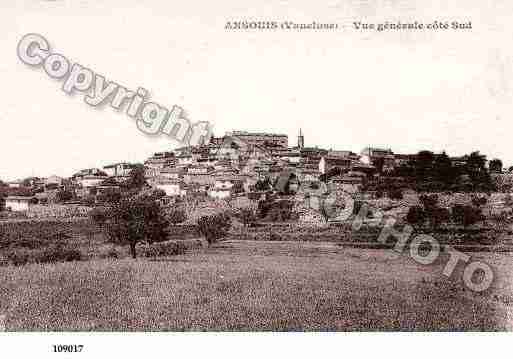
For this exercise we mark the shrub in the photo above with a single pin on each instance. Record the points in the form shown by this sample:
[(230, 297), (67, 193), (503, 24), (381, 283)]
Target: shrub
[(18, 256), (58, 253), (247, 216), (51, 254), (416, 215), (273, 236), (160, 249), (112, 253), (280, 212), (439, 215), (429, 201), (466, 215), (479, 201), (396, 194)]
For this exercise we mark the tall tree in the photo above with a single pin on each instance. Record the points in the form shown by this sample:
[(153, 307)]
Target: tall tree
[(135, 220), (137, 178), (495, 165)]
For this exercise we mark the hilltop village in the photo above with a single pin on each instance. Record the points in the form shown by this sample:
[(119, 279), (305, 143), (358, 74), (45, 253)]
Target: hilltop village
[(244, 163)]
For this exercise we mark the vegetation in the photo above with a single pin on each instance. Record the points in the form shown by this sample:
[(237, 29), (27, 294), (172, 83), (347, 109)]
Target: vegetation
[(134, 220), (64, 196), (466, 215), (247, 216), (263, 184), (214, 227), (137, 178), (248, 288), (416, 215), (495, 165), (275, 210), (430, 172), (176, 216)]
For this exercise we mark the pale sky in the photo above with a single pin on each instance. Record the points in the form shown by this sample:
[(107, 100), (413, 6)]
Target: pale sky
[(346, 89)]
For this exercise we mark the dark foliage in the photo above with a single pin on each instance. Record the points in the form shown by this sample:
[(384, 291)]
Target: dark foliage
[(214, 227), (135, 220)]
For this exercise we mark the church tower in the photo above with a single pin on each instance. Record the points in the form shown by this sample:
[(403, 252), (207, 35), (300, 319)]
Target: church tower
[(300, 140)]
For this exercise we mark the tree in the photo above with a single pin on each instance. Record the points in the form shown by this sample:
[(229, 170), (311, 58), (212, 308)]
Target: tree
[(379, 163), (137, 178), (416, 215), (263, 184), (433, 212), (423, 164), (214, 227), (476, 163), (444, 171), (135, 220), (466, 215), (495, 165)]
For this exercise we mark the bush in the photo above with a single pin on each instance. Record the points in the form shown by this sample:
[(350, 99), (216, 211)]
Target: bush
[(280, 211), (439, 215), (58, 253), (466, 215), (416, 215), (112, 253), (479, 201), (429, 201), (396, 194), (160, 249), (18, 256), (51, 254), (273, 236), (247, 216)]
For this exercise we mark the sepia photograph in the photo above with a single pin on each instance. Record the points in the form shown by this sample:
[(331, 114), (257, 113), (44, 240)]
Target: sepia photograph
[(254, 168)]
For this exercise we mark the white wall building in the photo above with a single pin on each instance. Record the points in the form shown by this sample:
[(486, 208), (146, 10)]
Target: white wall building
[(18, 203)]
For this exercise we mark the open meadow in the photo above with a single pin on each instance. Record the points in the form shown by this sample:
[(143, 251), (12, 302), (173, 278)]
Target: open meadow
[(253, 286)]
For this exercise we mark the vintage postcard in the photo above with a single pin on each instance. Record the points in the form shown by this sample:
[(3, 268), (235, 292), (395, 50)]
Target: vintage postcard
[(252, 168)]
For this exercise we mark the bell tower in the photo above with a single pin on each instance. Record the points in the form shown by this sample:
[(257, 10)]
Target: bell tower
[(300, 140)]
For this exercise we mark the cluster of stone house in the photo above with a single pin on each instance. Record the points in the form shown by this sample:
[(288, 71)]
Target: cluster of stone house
[(229, 166), (232, 164)]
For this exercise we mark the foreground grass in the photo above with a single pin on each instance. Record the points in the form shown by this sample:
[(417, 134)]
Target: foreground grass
[(286, 286)]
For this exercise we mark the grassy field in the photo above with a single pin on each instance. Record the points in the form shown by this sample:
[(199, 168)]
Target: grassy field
[(248, 285)]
